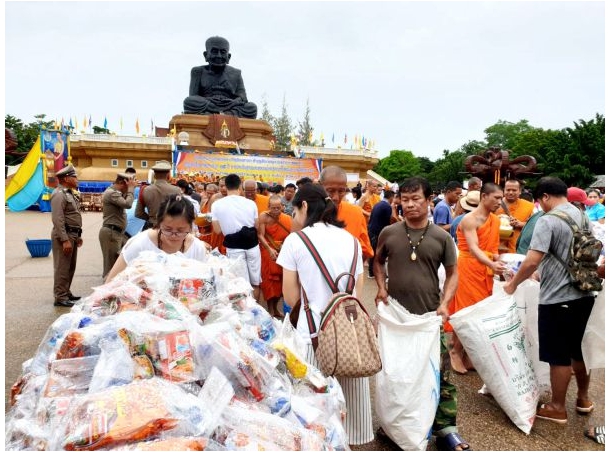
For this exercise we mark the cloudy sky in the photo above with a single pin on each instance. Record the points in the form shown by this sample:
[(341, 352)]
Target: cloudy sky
[(421, 76)]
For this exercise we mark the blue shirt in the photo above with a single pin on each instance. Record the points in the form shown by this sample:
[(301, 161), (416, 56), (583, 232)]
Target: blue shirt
[(596, 212), (454, 225), (134, 225), (442, 213)]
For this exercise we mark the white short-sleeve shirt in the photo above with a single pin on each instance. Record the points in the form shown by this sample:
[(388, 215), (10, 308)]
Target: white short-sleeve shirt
[(234, 212), (336, 248), (141, 242)]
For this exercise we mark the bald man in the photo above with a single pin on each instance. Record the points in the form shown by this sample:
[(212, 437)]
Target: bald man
[(334, 181), (251, 192)]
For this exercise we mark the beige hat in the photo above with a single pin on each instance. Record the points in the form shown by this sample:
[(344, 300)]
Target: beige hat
[(471, 200), (68, 171), (162, 165), (125, 175)]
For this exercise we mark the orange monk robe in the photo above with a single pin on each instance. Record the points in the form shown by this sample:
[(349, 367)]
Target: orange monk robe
[(271, 273), (205, 226), (521, 210), (368, 205), (355, 224), (475, 280), (262, 203)]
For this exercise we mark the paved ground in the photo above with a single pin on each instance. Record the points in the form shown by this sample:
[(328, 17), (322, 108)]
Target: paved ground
[(29, 311)]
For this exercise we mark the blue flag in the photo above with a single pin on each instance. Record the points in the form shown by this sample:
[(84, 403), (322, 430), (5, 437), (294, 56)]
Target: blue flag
[(105, 123), (71, 126)]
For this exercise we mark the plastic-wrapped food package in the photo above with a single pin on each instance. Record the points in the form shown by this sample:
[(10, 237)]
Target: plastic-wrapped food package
[(129, 413), (169, 352)]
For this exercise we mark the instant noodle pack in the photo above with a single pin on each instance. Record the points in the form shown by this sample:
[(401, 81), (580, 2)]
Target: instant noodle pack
[(173, 354)]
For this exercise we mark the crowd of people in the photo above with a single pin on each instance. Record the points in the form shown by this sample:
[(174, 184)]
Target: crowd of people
[(404, 234)]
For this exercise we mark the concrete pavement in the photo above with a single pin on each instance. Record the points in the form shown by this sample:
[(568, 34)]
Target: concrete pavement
[(29, 311)]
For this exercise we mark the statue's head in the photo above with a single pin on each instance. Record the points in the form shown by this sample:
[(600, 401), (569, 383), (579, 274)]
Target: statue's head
[(217, 52)]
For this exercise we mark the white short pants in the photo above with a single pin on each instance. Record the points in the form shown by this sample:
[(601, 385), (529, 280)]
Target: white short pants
[(252, 259)]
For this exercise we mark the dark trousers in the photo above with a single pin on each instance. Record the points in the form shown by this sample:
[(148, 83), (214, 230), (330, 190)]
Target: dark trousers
[(63, 269), (373, 238)]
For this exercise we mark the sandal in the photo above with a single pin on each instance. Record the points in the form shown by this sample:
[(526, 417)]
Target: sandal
[(451, 441), (544, 412), (584, 406), (597, 434)]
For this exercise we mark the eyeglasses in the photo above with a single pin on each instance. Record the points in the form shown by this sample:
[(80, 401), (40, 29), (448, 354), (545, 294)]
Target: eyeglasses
[(168, 233)]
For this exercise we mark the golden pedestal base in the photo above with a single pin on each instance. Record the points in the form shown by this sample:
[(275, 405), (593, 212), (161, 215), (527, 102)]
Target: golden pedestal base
[(258, 139)]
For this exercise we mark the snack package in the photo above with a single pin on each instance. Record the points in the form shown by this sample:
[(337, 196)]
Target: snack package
[(68, 377), (131, 413), (180, 443), (245, 429), (115, 365), (171, 354)]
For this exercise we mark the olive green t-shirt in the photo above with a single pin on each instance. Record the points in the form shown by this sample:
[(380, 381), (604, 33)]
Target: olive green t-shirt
[(414, 283)]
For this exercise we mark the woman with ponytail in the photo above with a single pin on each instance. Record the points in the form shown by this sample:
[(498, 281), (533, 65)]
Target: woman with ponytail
[(315, 215)]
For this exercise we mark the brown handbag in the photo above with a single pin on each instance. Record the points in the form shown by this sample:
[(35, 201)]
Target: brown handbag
[(345, 344)]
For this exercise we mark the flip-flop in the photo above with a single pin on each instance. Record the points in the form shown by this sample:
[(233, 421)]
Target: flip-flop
[(597, 434)]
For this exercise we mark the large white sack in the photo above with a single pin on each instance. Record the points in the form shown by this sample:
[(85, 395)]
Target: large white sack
[(407, 388), (527, 296), (593, 345), (493, 335)]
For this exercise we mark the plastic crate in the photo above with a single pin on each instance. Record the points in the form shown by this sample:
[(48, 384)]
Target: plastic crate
[(39, 248)]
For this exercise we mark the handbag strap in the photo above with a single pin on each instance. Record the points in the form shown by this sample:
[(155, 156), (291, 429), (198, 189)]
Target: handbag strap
[(313, 333)]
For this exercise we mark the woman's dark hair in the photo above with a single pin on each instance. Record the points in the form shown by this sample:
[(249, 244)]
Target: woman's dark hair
[(184, 185), (319, 205), (357, 192), (176, 206), (552, 186)]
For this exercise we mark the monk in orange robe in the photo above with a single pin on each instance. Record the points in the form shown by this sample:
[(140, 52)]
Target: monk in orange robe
[(334, 181), (478, 240), (273, 228), (204, 225), (217, 239), (369, 198), (519, 211)]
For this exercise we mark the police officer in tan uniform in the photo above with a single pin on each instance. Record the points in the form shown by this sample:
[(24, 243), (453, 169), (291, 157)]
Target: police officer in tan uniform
[(116, 198), (155, 194), (66, 235)]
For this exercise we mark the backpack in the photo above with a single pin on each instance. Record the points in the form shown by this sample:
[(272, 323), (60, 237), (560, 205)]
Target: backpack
[(585, 250), (345, 344)]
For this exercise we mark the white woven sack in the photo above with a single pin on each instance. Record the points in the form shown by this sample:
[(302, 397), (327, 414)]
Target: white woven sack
[(407, 388), (527, 296), (593, 344), (493, 335)]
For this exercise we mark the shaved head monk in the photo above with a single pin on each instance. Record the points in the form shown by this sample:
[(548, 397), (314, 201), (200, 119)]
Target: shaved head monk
[(334, 181)]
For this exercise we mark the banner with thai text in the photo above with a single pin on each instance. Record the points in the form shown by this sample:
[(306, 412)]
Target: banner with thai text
[(267, 169)]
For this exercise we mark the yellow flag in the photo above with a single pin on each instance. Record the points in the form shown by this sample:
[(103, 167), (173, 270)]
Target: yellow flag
[(137, 126), (121, 123)]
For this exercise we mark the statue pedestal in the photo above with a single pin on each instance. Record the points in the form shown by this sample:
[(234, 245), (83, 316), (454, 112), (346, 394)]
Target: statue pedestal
[(258, 134)]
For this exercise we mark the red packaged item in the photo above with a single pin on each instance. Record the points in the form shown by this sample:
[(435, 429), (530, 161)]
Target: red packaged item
[(171, 355)]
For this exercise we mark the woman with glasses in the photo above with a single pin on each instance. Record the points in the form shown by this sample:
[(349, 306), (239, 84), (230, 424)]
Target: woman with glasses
[(315, 214), (171, 235)]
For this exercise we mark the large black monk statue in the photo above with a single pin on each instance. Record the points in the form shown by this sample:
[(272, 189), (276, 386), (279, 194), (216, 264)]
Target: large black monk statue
[(216, 87)]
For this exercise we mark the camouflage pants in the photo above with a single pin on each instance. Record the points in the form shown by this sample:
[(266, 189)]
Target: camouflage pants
[(446, 413)]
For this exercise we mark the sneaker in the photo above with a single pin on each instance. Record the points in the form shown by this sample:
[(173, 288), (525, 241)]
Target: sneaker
[(370, 276)]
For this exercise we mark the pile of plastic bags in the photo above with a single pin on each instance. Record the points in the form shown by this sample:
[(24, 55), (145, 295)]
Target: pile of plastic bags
[(173, 354)]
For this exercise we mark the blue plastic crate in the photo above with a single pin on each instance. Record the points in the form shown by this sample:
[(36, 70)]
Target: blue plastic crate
[(39, 248)]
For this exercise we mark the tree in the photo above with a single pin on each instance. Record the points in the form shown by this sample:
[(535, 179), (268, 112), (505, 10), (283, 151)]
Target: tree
[(283, 129), (305, 132), (425, 165), (26, 136), (449, 167), (505, 134), (265, 113), (398, 166)]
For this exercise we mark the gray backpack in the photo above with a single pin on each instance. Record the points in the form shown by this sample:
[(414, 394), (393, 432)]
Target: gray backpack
[(584, 253)]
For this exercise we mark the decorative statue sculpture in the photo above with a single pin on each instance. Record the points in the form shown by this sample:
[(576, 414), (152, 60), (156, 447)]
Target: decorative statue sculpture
[(494, 165), (218, 88)]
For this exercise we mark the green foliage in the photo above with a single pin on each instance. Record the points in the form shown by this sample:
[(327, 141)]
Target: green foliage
[(283, 129), (450, 167), (505, 134), (305, 131), (26, 135), (265, 113), (398, 166)]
